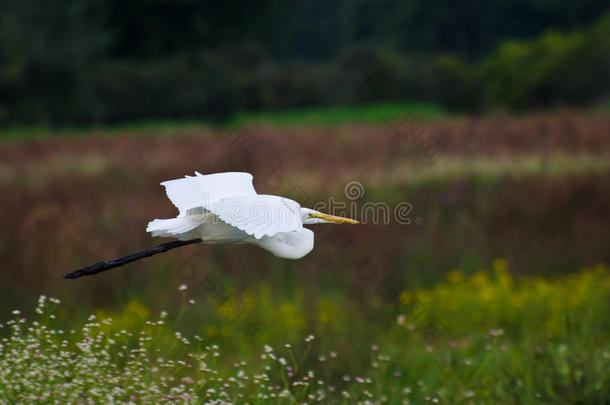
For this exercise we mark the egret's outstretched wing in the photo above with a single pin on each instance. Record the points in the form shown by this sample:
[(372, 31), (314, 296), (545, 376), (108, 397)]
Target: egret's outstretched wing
[(259, 215), (232, 198), (204, 190)]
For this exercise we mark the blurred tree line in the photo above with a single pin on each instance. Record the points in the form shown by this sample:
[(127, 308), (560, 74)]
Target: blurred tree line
[(79, 62)]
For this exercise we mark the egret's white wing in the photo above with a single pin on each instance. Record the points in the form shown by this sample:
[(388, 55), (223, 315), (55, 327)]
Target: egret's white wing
[(205, 190), (260, 215)]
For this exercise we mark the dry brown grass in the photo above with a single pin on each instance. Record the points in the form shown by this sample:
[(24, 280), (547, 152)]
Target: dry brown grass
[(71, 201)]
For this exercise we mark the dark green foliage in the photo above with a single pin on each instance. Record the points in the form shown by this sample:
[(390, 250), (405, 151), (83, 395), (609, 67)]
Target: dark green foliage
[(90, 62), (553, 69)]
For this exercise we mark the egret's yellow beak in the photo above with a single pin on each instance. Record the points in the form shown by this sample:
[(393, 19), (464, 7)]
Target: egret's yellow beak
[(333, 218)]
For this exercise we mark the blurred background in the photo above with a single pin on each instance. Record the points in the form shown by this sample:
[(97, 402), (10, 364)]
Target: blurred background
[(488, 120), (91, 62)]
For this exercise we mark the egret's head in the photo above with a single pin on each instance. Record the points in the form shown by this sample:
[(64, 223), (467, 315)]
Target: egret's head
[(315, 217)]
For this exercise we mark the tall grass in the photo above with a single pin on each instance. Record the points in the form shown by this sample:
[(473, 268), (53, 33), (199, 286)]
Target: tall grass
[(496, 340)]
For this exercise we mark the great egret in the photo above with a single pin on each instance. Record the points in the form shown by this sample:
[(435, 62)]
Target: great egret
[(225, 208)]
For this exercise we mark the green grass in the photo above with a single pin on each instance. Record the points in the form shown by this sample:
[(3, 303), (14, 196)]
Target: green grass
[(379, 113), (486, 339), (604, 106)]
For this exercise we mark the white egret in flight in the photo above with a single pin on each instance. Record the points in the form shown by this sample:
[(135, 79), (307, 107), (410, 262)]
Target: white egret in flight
[(225, 208)]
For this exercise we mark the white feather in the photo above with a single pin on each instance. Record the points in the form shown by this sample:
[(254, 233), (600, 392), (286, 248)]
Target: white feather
[(204, 190), (172, 227), (231, 198), (260, 215)]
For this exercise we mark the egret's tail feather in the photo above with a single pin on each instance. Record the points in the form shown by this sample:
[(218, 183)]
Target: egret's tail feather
[(171, 227)]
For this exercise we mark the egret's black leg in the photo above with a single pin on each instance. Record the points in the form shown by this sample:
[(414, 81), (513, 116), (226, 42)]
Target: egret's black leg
[(111, 264)]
